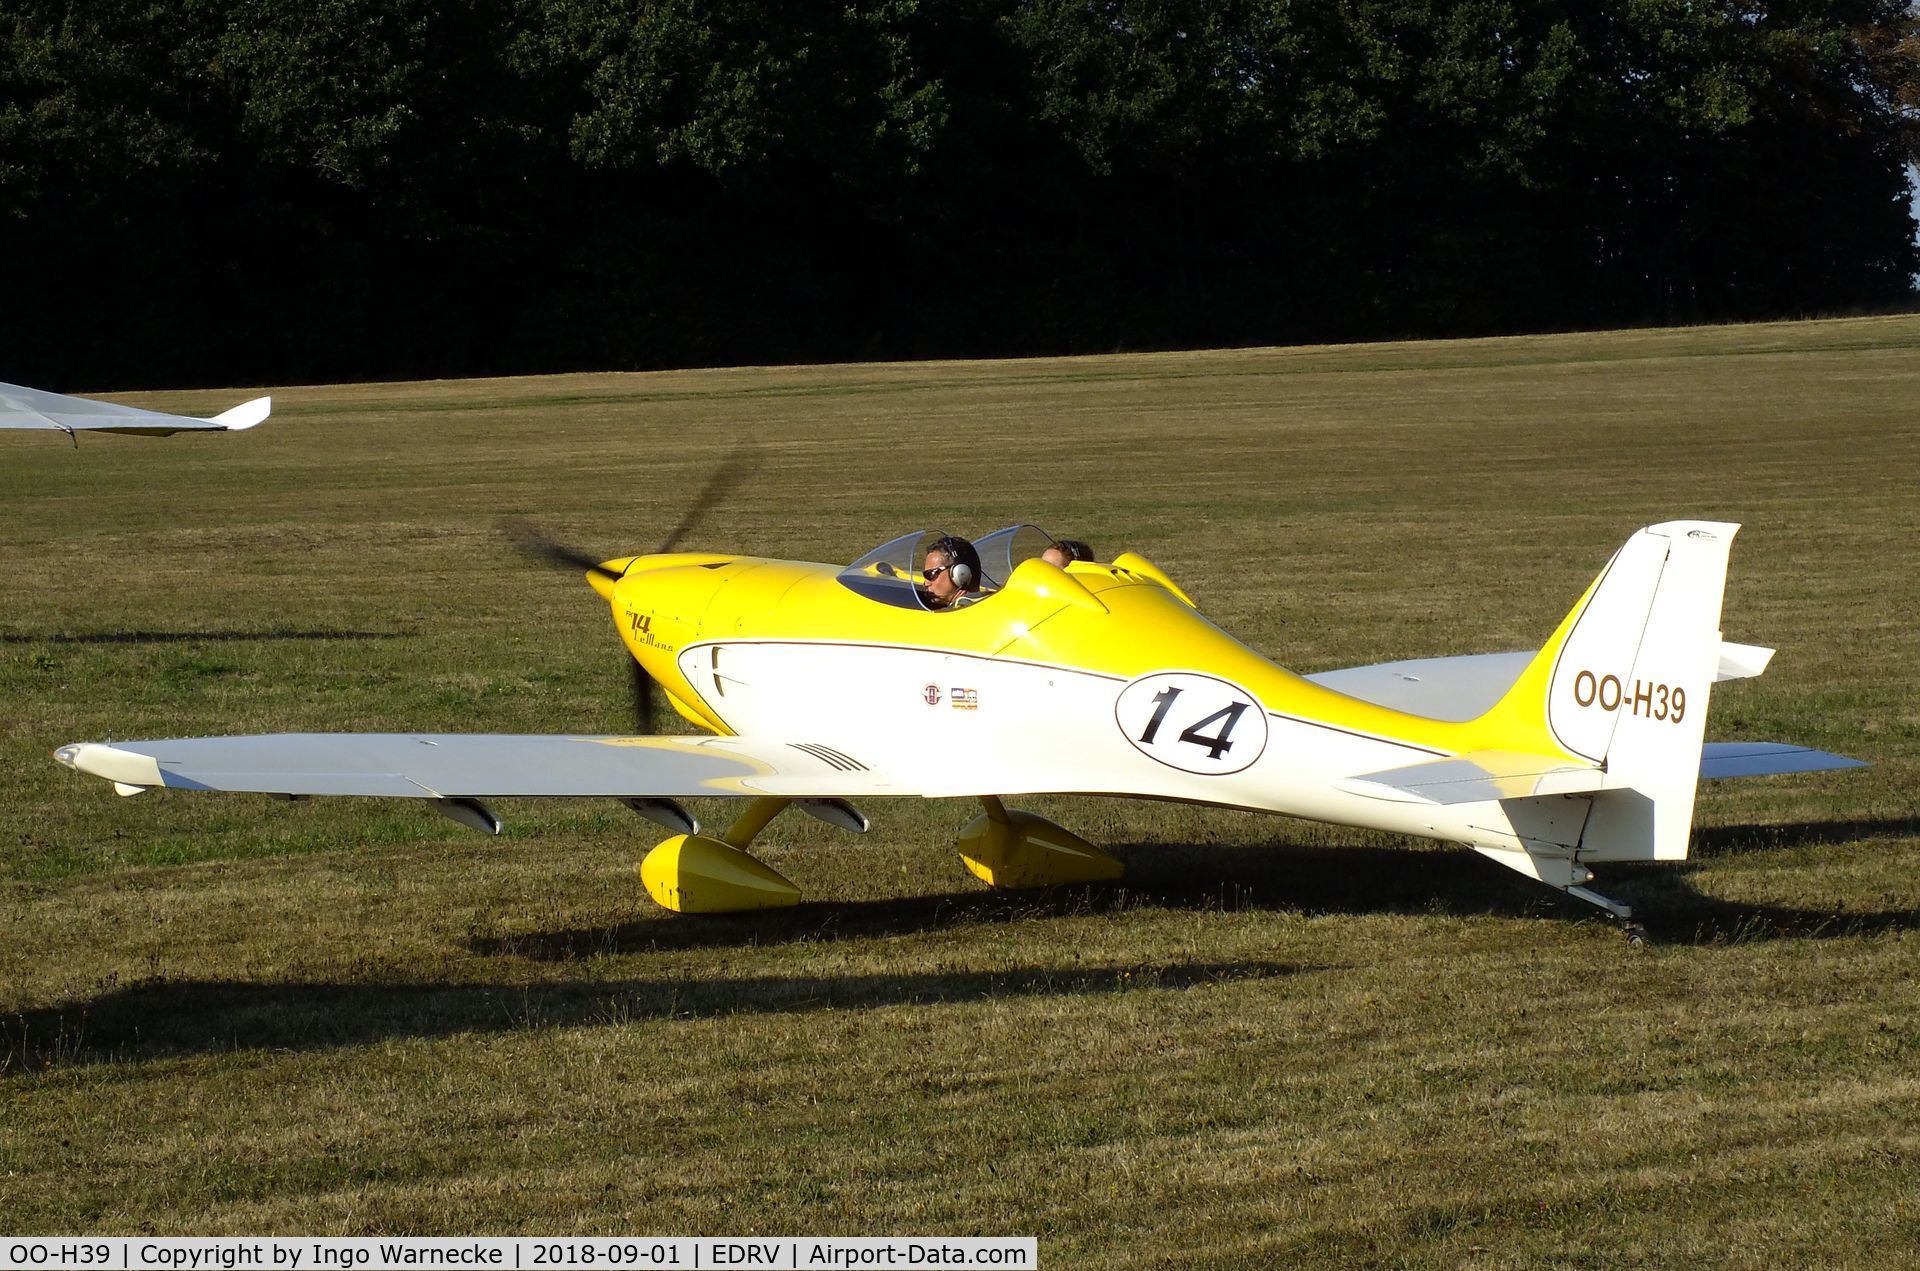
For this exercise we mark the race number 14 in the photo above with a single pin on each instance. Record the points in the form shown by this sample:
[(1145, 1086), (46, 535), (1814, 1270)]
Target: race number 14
[(1192, 722), (1217, 745)]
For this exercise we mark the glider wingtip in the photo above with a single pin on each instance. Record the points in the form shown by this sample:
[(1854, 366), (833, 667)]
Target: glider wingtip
[(246, 415)]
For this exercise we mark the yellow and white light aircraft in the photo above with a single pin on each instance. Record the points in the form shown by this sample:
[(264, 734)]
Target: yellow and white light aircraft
[(824, 684), (22, 407)]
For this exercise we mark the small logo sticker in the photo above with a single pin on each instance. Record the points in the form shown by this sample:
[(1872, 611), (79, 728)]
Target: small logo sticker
[(965, 699), (641, 624), (931, 693)]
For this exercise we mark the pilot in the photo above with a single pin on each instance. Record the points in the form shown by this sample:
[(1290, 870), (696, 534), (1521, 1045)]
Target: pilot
[(952, 570), (1060, 551)]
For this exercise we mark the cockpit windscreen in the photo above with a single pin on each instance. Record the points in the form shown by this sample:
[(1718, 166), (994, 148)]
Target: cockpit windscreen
[(894, 572)]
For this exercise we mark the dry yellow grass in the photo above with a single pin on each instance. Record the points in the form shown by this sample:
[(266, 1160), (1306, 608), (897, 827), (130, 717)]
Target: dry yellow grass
[(1273, 1043)]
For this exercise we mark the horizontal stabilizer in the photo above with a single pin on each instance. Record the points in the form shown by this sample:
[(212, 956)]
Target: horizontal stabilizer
[(1766, 759), (1467, 686), (1479, 777), (1741, 661)]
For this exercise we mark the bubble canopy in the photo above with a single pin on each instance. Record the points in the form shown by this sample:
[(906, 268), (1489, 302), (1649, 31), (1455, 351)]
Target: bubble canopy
[(892, 572)]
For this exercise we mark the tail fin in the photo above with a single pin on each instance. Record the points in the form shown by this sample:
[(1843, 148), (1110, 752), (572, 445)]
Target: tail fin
[(1624, 683)]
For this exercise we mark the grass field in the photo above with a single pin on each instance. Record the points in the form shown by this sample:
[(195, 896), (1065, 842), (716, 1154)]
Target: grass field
[(1273, 1042)]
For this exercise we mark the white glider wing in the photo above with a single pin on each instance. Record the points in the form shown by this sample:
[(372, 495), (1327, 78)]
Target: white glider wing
[(465, 765), (22, 407)]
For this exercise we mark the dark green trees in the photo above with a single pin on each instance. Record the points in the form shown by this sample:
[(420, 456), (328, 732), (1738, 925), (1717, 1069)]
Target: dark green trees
[(229, 190)]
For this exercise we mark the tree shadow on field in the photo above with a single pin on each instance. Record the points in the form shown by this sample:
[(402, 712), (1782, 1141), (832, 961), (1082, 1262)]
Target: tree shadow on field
[(1282, 877), (160, 1019)]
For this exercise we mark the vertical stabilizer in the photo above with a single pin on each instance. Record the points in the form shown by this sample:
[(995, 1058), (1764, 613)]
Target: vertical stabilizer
[(1624, 683), (1659, 712)]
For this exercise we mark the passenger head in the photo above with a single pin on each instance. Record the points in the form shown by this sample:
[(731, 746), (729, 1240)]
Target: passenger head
[(951, 568), (1064, 550)]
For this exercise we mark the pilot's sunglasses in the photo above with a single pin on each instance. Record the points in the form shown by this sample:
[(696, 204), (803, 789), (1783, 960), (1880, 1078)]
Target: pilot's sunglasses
[(935, 572)]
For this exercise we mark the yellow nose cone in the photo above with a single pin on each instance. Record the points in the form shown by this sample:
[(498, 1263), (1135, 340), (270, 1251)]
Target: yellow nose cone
[(694, 874)]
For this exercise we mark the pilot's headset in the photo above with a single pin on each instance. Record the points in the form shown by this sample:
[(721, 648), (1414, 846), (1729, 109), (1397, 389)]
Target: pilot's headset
[(963, 562)]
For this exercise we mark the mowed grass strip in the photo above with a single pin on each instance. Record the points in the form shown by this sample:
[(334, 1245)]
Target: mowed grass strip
[(1272, 1042)]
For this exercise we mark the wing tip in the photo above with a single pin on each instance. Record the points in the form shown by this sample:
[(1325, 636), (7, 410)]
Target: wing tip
[(122, 767), (246, 415)]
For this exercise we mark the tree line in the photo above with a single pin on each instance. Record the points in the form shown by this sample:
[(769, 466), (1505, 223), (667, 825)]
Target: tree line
[(228, 191)]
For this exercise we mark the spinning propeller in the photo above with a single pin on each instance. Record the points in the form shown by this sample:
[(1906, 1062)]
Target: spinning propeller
[(536, 544)]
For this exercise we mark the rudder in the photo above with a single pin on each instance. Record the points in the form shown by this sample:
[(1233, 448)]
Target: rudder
[(1624, 683)]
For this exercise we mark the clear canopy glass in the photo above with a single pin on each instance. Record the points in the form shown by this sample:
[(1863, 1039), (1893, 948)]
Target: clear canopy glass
[(891, 573)]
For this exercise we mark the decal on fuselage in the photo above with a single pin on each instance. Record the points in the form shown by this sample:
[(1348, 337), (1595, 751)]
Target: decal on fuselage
[(1650, 698), (641, 625), (1192, 722)]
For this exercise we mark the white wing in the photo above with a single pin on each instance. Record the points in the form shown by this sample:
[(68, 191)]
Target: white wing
[(1483, 776), (463, 765), (31, 408), (1456, 689)]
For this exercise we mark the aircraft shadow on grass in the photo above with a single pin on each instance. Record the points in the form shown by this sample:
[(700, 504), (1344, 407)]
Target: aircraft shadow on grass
[(164, 1019), (1737, 840), (1278, 876), (169, 1018)]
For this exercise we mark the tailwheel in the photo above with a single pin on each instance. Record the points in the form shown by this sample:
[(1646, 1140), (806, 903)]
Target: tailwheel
[(1623, 914), (701, 874), (1014, 849)]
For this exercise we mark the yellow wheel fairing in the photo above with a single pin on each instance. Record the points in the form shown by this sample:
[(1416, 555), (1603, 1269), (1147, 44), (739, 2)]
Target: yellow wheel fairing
[(695, 874), (1014, 849)]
